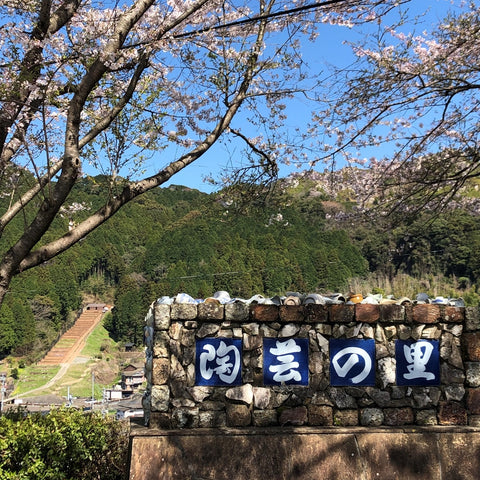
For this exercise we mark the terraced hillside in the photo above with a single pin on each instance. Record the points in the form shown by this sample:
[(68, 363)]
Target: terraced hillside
[(72, 341)]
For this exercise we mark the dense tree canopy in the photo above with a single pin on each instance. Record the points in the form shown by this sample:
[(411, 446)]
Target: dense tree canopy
[(179, 240)]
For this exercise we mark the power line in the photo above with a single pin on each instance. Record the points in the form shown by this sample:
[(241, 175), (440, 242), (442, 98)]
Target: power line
[(266, 16), (208, 275)]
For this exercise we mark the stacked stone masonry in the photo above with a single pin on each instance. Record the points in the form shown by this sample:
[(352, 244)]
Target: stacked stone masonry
[(172, 400)]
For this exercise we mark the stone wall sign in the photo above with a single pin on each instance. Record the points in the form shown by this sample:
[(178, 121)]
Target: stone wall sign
[(285, 362), (352, 362), (218, 362), (418, 362), (237, 365)]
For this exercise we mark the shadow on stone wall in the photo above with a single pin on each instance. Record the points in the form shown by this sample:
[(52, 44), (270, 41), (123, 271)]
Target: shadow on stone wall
[(306, 453)]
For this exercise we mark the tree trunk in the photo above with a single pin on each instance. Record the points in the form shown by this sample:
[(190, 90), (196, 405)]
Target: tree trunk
[(6, 275)]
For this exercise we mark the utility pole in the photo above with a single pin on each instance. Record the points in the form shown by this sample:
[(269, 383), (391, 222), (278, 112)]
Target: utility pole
[(93, 389), (104, 402), (3, 379)]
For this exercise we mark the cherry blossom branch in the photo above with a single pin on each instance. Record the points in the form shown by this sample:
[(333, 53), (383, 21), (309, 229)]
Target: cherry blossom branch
[(29, 73), (135, 189)]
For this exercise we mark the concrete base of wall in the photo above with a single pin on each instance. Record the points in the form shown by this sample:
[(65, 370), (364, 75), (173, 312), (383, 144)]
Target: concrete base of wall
[(300, 453)]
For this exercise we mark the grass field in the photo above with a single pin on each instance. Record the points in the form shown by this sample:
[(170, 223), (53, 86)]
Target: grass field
[(32, 377), (99, 349)]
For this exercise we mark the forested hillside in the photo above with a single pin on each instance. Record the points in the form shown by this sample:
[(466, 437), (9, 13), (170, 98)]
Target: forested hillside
[(176, 240)]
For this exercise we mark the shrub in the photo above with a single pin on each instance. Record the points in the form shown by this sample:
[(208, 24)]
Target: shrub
[(62, 445)]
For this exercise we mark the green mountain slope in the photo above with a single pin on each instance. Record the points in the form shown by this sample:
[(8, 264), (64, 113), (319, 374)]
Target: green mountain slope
[(304, 237)]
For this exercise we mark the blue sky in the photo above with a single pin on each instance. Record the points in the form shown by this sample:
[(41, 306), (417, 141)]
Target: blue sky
[(328, 48), (331, 48)]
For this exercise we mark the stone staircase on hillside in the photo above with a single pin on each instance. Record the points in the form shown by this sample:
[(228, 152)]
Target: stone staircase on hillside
[(72, 340)]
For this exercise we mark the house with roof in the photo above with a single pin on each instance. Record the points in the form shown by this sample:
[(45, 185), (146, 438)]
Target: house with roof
[(133, 377), (97, 307), (114, 393), (130, 408)]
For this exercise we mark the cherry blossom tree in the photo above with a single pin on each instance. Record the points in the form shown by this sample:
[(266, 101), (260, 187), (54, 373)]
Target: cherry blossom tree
[(406, 113), (105, 86)]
